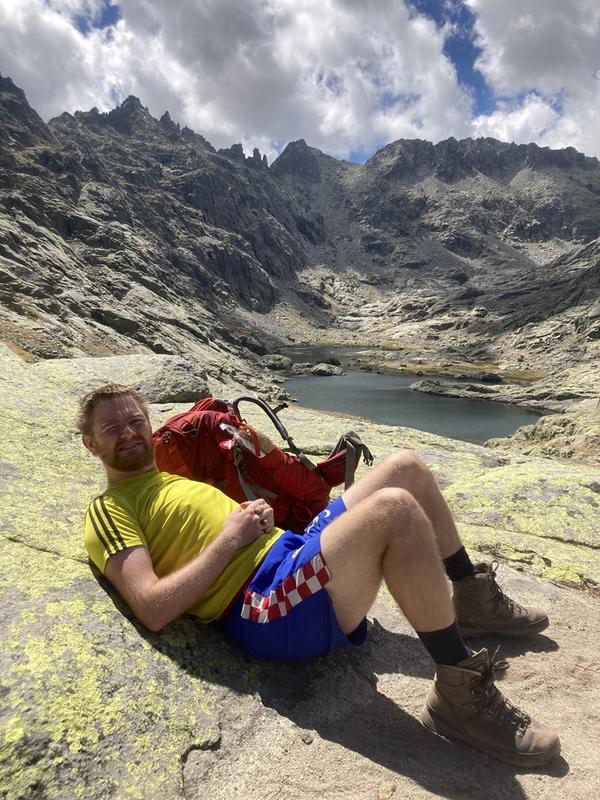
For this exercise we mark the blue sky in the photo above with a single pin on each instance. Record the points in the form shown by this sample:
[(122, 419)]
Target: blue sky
[(460, 48), (108, 14), (345, 76)]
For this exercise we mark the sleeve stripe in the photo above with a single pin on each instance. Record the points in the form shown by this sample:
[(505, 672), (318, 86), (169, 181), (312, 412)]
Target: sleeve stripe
[(100, 522), (116, 531), (108, 547), (109, 534)]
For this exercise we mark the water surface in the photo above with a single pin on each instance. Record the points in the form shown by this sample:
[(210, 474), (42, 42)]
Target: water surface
[(387, 398)]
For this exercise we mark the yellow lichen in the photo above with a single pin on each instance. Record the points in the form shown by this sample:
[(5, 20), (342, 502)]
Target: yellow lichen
[(14, 730), (99, 694)]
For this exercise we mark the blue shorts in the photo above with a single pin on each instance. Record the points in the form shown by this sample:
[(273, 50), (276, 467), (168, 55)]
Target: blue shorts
[(285, 614)]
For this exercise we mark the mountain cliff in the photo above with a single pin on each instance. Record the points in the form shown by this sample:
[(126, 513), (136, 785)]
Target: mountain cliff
[(122, 233)]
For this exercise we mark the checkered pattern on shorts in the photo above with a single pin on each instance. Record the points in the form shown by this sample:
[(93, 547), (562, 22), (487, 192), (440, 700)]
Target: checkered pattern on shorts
[(304, 582)]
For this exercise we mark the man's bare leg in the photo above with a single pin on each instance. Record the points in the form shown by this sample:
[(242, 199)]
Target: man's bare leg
[(405, 470), (480, 605), (386, 536)]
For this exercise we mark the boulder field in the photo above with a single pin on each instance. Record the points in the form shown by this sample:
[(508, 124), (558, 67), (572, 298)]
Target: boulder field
[(93, 706)]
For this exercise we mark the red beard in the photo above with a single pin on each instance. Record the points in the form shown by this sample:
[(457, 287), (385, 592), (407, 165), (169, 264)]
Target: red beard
[(129, 459)]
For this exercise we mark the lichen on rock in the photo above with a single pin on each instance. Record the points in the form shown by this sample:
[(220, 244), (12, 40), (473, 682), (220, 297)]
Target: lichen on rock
[(94, 706)]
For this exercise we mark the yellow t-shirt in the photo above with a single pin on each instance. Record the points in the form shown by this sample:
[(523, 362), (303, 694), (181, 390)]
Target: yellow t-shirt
[(175, 518)]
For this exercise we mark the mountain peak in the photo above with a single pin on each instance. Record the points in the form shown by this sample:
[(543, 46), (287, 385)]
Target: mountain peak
[(20, 123), (132, 104), (452, 160), (167, 124), (130, 116), (299, 159)]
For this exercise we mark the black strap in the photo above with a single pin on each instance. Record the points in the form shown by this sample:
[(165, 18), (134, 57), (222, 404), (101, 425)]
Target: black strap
[(349, 441), (272, 414), (355, 448), (350, 465)]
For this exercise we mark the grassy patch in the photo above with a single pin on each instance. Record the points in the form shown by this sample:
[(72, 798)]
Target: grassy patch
[(525, 374)]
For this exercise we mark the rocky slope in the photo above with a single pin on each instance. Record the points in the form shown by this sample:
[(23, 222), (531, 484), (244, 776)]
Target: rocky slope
[(464, 256), (132, 251), (93, 706), (120, 233), (573, 435)]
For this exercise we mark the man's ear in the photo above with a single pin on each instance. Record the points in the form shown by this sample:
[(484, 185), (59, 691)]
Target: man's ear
[(88, 443)]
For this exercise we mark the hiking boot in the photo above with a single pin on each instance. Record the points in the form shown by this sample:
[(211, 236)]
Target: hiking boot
[(482, 607), (465, 704)]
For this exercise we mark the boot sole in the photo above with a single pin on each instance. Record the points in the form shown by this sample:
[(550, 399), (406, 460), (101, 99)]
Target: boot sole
[(435, 724), (471, 631)]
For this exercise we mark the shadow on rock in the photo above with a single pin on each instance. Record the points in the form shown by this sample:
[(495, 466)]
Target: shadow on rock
[(513, 647), (338, 698)]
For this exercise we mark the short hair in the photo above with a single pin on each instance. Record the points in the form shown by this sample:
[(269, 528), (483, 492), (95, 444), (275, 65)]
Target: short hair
[(88, 403)]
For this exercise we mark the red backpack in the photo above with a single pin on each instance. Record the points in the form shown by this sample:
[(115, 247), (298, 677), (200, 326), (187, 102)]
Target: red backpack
[(212, 443)]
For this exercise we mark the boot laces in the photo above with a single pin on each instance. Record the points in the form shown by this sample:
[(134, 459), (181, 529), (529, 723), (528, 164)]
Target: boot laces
[(490, 700), (497, 594)]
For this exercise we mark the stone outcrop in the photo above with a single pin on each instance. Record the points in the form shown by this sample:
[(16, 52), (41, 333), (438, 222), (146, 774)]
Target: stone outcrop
[(160, 378), (325, 370), (276, 362), (573, 435), (21, 125), (545, 394), (95, 706)]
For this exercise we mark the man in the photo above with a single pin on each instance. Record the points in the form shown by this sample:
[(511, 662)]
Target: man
[(170, 545)]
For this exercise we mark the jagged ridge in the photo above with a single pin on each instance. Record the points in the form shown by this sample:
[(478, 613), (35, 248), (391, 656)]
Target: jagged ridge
[(118, 230)]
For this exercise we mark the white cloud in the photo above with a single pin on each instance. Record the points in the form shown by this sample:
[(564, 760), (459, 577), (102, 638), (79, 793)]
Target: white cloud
[(527, 122), (344, 75), (46, 55), (544, 59), (549, 45)]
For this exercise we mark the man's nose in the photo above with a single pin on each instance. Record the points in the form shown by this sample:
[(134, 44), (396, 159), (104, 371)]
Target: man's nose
[(127, 430)]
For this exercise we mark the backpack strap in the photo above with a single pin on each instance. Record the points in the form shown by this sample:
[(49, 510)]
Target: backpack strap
[(353, 444), (272, 414), (251, 492), (350, 465)]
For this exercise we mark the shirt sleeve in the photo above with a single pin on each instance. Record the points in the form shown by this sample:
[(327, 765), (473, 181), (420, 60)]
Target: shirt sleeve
[(109, 529)]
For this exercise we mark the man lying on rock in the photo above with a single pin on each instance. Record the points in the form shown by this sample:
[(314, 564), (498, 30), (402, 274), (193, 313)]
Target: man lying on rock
[(170, 545)]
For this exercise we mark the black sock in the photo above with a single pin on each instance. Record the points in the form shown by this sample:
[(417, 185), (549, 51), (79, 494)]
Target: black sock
[(459, 565), (445, 646)]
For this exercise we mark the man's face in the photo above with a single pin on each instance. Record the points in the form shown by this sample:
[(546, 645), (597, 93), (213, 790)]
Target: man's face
[(121, 436)]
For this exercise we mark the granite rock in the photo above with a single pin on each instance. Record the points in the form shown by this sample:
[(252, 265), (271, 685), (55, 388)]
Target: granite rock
[(326, 370), (87, 696)]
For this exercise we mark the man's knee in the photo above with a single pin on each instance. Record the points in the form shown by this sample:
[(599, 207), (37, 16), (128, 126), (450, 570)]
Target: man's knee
[(407, 528), (408, 464), (398, 510), (392, 497)]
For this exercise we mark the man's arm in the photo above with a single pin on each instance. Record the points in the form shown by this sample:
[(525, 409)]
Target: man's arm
[(157, 601)]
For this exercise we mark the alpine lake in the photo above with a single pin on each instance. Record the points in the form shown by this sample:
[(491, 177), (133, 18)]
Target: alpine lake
[(386, 397)]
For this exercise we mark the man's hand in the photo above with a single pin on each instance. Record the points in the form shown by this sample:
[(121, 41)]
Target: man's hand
[(267, 519), (247, 522)]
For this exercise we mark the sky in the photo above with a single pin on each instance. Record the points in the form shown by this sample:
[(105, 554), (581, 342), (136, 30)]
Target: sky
[(348, 76)]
